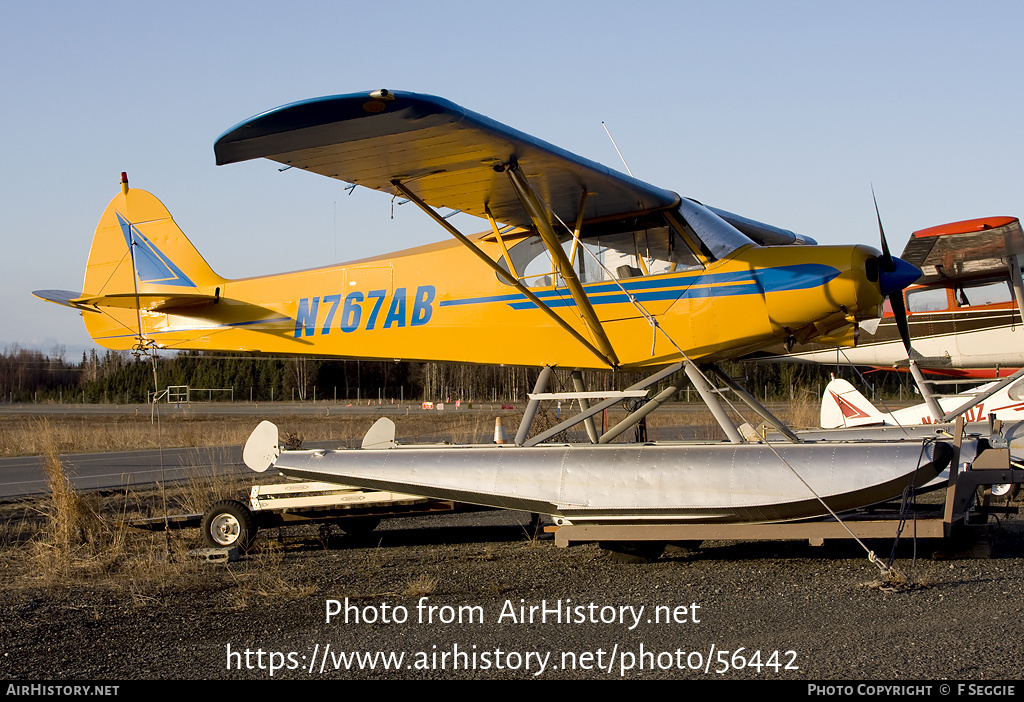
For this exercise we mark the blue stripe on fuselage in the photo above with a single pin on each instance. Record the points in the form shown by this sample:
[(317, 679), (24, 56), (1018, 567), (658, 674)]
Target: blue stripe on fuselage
[(758, 282)]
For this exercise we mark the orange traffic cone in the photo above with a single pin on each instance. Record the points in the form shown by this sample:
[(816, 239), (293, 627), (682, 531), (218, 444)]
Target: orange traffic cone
[(499, 432)]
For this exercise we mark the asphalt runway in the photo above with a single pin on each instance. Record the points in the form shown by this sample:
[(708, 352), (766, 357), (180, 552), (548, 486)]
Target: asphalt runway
[(25, 475)]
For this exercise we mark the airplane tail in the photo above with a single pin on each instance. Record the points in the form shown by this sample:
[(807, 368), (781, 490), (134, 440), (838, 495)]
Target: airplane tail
[(842, 405), (141, 267)]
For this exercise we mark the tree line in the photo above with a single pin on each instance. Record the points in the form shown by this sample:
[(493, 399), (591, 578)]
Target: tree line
[(119, 377)]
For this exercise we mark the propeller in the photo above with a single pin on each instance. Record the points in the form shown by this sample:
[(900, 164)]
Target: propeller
[(895, 274)]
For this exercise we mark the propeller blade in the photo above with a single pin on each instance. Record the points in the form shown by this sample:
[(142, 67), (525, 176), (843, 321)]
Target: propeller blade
[(894, 274), (899, 311), (887, 263)]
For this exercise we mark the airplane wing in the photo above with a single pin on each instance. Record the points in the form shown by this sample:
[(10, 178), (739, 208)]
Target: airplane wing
[(967, 248), (446, 154)]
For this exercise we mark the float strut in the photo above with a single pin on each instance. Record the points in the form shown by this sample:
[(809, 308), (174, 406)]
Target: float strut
[(531, 407), (577, 383), (713, 402)]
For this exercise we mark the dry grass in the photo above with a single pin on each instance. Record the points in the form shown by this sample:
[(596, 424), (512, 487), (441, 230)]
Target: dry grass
[(203, 487), (69, 540), (804, 411), (265, 579), (73, 538), (22, 435), (420, 586), (66, 538)]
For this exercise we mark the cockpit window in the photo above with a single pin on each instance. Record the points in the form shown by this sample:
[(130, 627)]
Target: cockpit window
[(637, 247)]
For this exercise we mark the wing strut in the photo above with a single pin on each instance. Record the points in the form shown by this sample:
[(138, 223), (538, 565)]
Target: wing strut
[(530, 202), (1013, 263), (753, 404), (505, 275)]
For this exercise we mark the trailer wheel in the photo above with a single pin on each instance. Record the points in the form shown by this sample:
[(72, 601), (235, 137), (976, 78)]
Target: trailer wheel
[(1006, 490), (229, 523), (632, 551), (359, 526)]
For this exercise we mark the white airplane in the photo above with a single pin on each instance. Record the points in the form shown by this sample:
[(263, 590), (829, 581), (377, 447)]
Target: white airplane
[(842, 405)]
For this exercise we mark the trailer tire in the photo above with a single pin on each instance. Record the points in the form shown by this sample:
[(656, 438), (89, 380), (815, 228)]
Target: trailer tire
[(1007, 491), (228, 524)]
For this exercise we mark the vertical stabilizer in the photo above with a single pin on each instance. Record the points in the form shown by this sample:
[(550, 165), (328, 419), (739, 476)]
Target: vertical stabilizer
[(164, 257), (843, 405), (140, 263)]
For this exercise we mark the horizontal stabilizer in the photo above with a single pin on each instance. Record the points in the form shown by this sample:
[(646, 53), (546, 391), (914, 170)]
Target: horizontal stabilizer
[(61, 297), (153, 302)]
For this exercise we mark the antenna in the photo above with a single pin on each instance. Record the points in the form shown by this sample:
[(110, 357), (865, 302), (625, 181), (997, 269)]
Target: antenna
[(617, 149)]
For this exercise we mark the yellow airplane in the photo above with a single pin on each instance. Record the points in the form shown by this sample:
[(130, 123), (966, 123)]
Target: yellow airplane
[(582, 267)]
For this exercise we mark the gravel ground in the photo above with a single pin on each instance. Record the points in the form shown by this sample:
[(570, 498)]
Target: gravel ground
[(790, 611)]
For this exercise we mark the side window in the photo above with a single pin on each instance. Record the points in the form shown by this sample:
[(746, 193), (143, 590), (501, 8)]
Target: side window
[(984, 294), (927, 300), (607, 251), (1016, 391), (533, 262), (633, 254)]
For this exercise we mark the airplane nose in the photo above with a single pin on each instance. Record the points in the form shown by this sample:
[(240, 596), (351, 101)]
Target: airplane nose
[(902, 275)]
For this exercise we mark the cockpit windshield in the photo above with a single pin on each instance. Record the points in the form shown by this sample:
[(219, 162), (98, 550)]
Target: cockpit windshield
[(717, 237)]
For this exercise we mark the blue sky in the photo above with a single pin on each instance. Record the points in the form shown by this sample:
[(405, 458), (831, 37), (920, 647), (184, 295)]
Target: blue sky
[(786, 112)]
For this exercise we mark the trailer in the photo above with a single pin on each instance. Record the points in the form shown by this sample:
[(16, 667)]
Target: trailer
[(355, 511)]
